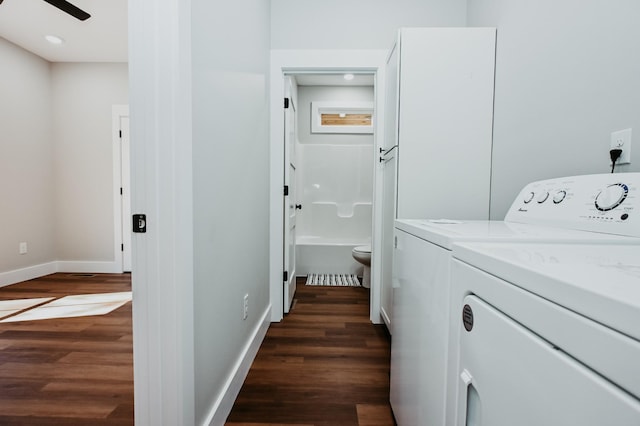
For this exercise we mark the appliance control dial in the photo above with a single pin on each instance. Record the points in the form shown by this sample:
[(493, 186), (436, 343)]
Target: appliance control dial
[(529, 197), (559, 196), (611, 197), (543, 197)]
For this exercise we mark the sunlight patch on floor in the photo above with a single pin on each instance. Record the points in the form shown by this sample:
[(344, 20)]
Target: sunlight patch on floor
[(10, 307), (66, 307)]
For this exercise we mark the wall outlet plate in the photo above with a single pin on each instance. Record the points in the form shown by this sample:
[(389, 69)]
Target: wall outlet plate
[(622, 140), (22, 248)]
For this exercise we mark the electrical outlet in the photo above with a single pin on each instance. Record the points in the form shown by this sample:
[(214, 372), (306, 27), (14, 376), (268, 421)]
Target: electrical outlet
[(622, 140), (245, 307), (22, 248)]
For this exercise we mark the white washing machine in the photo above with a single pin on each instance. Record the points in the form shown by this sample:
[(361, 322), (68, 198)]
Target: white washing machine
[(423, 392), (547, 334)]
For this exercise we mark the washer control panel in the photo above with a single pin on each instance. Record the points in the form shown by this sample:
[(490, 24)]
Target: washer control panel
[(607, 203)]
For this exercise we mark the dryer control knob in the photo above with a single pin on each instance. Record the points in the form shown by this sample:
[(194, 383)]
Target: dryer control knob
[(559, 197), (542, 197), (611, 197)]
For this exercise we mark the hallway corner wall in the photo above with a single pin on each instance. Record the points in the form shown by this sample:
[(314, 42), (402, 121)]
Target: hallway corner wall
[(83, 96), (26, 170), (230, 57)]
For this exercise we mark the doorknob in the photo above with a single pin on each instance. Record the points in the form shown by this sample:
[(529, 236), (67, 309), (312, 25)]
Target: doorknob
[(298, 206)]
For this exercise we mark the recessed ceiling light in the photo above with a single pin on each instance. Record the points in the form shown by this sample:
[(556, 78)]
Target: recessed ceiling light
[(348, 77), (54, 39)]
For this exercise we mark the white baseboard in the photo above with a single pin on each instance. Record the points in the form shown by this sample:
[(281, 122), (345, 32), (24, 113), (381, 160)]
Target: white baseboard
[(28, 273), (88, 267), (36, 271), (223, 405), (386, 318)]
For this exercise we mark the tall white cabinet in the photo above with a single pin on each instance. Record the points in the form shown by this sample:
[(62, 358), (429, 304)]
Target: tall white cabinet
[(438, 132)]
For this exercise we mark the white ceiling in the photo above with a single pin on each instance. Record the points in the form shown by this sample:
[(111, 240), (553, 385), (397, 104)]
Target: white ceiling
[(101, 38)]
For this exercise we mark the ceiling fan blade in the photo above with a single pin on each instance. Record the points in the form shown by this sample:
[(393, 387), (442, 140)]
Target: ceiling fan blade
[(72, 10)]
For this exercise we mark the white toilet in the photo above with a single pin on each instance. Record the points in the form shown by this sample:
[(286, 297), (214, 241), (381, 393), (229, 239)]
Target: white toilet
[(363, 255)]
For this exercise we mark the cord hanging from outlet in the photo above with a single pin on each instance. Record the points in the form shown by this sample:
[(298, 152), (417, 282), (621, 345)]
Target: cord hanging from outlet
[(615, 154)]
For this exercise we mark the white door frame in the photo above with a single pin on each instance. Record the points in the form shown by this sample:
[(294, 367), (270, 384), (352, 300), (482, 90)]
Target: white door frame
[(161, 187), (117, 113), (300, 61)]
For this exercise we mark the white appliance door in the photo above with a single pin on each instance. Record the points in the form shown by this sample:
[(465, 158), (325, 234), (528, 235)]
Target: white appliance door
[(510, 376), (289, 289), (420, 331)]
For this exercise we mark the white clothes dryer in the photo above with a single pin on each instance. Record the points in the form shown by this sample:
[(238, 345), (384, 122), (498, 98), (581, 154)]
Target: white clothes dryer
[(547, 334), (423, 392)]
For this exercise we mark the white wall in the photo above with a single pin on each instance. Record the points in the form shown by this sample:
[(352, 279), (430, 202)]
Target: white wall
[(26, 170), (56, 160), (83, 95), (333, 168), (355, 24), (230, 50), (566, 77)]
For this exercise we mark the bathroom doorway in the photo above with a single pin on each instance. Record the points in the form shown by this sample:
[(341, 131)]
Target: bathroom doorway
[(333, 150), (331, 198)]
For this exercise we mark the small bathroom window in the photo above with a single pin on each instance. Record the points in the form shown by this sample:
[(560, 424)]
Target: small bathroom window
[(342, 117)]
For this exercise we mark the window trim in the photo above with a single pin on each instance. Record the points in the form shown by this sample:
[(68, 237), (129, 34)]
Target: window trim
[(340, 107)]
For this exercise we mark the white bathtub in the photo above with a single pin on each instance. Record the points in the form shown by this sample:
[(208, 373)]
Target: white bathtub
[(328, 233), (323, 255)]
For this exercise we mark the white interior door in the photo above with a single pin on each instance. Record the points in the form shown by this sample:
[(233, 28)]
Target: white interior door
[(289, 203), (125, 185), (389, 158)]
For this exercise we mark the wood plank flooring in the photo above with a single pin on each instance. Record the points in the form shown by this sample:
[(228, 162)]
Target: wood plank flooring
[(69, 371), (324, 365)]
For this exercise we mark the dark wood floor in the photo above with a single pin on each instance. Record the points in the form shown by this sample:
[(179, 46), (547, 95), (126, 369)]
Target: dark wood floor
[(324, 365), (71, 371)]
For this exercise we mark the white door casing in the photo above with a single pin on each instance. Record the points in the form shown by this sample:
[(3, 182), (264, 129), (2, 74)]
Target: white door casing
[(388, 214), (121, 188), (160, 98), (319, 61), (125, 186)]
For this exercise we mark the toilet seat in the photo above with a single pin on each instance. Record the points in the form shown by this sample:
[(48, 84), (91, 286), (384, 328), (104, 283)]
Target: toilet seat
[(363, 249), (362, 254)]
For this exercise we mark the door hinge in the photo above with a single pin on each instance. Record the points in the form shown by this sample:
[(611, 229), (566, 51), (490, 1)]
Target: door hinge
[(120, 191), (121, 247), (286, 190), (286, 103), (285, 276), (120, 134)]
